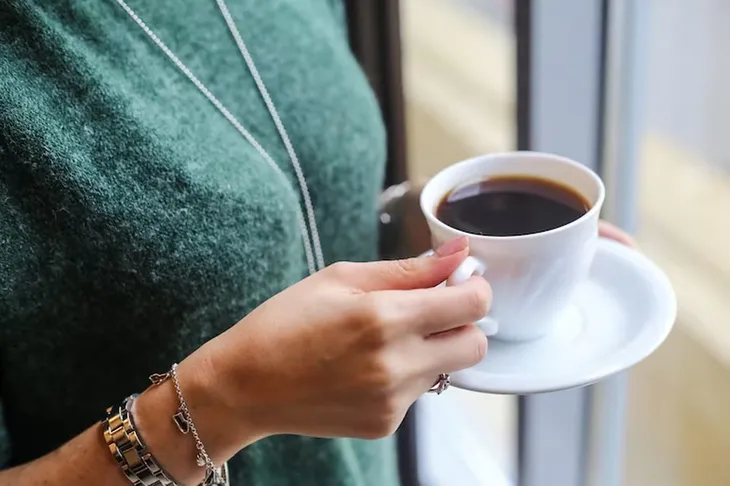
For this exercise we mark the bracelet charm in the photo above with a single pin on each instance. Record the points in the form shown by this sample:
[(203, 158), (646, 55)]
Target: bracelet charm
[(214, 476)]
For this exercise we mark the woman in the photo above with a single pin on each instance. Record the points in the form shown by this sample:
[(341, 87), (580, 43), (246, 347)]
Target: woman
[(142, 214)]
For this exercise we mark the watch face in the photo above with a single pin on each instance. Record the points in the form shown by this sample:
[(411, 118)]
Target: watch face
[(127, 405)]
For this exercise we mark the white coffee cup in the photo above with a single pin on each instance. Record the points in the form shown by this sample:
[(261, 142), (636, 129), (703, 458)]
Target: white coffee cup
[(532, 276)]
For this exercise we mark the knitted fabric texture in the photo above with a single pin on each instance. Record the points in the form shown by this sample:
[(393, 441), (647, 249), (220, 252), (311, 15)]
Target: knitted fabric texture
[(136, 223)]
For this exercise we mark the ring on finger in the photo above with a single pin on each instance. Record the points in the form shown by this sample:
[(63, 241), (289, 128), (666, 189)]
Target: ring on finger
[(441, 385)]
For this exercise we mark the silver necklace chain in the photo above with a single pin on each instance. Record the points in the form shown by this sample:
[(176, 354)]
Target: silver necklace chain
[(315, 259)]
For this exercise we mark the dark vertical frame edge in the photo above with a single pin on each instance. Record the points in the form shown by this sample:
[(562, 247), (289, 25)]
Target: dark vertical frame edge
[(523, 36), (374, 29), (602, 87)]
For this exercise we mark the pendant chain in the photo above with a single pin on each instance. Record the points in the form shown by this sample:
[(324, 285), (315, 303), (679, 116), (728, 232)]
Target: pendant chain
[(312, 247)]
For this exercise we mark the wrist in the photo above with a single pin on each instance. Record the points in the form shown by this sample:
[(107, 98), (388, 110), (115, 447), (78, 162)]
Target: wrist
[(220, 427), (221, 417), (174, 452)]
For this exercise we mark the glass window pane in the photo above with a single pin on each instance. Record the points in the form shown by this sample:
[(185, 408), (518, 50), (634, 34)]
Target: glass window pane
[(458, 67), (679, 399), (459, 75)]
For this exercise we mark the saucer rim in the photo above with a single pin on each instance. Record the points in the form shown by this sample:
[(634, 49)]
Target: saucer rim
[(642, 345)]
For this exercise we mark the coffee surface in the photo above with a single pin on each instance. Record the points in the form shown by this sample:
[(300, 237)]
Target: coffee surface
[(511, 206)]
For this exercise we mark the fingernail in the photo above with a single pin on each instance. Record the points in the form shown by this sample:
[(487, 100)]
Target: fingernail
[(453, 246)]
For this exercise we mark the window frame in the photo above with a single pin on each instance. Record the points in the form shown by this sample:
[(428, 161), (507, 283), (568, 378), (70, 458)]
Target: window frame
[(560, 109)]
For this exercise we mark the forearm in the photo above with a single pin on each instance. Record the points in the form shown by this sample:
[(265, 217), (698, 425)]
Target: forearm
[(83, 461), (86, 460)]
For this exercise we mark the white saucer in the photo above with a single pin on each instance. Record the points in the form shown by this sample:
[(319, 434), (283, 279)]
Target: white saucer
[(620, 315)]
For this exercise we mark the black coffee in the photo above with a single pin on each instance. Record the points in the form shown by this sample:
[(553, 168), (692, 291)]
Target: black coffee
[(511, 206)]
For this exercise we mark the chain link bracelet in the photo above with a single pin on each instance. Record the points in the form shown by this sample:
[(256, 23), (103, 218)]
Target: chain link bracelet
[(214, 476), (129, 450)]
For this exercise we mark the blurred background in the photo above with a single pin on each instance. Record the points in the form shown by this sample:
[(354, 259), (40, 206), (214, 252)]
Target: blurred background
[(460, 98)]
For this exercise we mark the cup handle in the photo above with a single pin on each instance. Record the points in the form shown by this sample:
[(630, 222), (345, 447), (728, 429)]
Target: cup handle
[(468, 268)]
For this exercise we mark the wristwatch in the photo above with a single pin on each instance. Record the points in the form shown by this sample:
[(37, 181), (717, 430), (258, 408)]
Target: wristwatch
[(128, 449)]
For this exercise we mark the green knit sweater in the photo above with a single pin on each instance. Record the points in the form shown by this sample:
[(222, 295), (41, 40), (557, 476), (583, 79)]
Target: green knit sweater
[(136, 223)]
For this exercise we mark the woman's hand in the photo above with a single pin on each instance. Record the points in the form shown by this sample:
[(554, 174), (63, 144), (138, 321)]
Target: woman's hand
[(344, 353), (607, 230)]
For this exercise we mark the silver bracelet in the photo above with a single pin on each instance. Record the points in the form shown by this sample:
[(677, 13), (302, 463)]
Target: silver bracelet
[(214, 476)]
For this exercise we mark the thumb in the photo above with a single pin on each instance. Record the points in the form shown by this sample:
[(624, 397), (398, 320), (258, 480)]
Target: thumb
[(412, 273)]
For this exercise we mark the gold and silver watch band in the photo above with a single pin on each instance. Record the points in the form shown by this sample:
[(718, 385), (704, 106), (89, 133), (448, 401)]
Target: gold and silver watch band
[(129, 450)]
